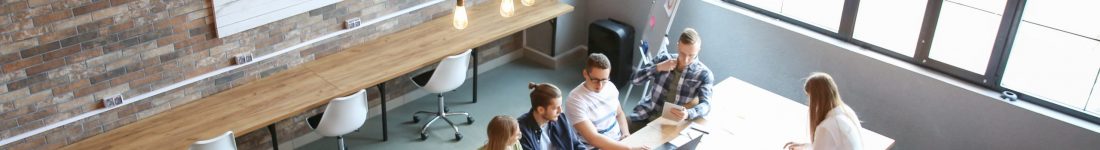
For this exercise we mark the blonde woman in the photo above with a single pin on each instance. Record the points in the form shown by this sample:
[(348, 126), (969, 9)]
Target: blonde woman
[(503, 134), (833, 125)]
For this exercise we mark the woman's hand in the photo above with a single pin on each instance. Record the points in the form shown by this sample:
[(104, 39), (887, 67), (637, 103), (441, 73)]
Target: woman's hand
[(794, 146)]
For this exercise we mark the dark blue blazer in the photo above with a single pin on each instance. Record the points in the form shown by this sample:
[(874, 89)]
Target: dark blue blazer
[(561, 133)]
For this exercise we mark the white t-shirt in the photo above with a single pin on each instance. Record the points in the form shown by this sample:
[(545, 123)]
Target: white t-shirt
[(839, 131), (544, 141), (599, 108)]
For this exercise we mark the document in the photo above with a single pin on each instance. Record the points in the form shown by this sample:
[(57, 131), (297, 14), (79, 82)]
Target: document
[(689, 135), (667, 113)]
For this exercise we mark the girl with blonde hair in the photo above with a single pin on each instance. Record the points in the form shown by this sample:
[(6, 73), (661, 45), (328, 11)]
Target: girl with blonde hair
[(833, 125), (503, 134)]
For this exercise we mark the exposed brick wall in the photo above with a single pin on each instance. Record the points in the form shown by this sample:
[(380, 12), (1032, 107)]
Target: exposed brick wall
[(58, 57)]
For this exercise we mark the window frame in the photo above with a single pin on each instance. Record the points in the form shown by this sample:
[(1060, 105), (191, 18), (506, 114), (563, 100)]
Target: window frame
[(995, 69)]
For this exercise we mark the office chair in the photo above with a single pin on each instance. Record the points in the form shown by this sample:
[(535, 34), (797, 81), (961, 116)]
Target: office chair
[(221, 142), (343, 115), (448, 76)]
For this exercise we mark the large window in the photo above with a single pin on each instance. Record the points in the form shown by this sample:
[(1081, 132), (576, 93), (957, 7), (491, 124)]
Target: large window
[(821, 13), (1055, 56), (1047, 51), (965, 33), (890, 24)]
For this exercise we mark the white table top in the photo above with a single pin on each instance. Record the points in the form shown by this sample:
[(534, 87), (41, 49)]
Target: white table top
[(744, 116)]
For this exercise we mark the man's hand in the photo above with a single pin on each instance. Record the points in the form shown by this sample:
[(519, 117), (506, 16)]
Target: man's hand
[(640, 148), (666, 65), (679, 114)]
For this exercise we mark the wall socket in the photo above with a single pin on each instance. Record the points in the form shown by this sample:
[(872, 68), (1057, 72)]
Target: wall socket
[(242, 58), (352, 23), (112, 101)]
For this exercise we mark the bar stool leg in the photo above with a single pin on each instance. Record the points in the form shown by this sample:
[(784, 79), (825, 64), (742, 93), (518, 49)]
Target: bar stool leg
[(341, 139)]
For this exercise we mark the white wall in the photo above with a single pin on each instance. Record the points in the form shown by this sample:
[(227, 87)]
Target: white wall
[(920, 109)]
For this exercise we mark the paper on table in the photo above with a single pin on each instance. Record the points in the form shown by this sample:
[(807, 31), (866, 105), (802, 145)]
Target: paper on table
[(667, 113), (692, 132)]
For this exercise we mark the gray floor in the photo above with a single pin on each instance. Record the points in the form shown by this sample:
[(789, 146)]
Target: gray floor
[(502, 91)]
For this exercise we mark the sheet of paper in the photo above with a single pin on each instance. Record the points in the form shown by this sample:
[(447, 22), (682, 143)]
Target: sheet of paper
[(667, 113), (692, 132)]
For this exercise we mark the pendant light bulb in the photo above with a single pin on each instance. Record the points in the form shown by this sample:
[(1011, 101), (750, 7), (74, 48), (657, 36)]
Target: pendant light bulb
[(507, 8), (460, 21)]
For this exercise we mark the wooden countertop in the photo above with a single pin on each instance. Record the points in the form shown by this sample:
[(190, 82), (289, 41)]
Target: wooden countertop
[(255, 105)]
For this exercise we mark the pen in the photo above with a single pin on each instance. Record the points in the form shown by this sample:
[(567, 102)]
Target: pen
[(700, 130)]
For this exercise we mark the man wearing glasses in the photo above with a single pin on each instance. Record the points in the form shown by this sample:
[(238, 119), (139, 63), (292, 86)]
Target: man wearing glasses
[(593, 108), (678, 79)]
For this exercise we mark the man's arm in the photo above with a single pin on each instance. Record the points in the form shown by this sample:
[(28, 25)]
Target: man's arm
[(525, 138), (572, 133), (623, 123), (526, 142), (648, 71), (642, 111), (585, 128), (705, 91), (588, 132)]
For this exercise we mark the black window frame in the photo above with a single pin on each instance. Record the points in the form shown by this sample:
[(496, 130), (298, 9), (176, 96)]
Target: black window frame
[(992, 77)]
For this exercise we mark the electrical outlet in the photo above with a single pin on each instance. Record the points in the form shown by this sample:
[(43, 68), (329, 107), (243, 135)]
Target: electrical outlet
[(352, 23), (242, 58), (112, 101)]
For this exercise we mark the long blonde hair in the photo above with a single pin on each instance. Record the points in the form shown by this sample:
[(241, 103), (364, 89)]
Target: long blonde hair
[(501, 129), (824, 97)]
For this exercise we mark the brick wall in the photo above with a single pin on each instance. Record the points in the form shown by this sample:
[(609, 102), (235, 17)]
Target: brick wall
[(58, 57)]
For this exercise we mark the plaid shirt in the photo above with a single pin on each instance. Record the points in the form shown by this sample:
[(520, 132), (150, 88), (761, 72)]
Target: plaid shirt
[(695, 81)]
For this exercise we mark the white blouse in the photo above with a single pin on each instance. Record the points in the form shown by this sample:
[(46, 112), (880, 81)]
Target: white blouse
[(839, 131)]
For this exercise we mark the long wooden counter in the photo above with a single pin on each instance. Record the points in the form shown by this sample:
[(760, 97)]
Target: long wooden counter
[(265, 101)]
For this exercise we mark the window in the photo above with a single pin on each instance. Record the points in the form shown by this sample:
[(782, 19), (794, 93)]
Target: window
[(1055, 57), (966, 32), (821, 13), (1052, 46), (891, 24)]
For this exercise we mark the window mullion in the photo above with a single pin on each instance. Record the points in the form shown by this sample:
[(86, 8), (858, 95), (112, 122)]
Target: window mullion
[(928, 29), (848, 19), (1003, 46)]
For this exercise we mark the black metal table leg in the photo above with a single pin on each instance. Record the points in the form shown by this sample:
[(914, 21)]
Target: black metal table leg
[(385, 125), (553, 37), (274, 138), (474, 52)]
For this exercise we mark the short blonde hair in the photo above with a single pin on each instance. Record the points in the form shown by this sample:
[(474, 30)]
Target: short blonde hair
[(690, 36)]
